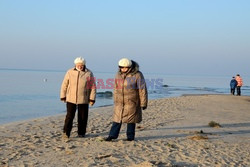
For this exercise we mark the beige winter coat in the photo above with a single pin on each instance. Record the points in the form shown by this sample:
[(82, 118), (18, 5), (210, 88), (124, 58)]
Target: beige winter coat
[(130, 95), (77, 87)]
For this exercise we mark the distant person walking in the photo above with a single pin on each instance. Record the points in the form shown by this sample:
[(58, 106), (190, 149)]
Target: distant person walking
[(239, 84), (233, 84), (130, 98), (78, 91)]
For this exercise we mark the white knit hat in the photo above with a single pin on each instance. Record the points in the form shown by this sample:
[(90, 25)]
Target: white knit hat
[(124, 62), (80, 60)]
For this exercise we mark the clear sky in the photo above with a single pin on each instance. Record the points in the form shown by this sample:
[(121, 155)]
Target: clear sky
[(203, 37)]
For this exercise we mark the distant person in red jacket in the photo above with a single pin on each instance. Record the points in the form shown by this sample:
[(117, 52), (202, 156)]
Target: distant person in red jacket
[(239, 84)]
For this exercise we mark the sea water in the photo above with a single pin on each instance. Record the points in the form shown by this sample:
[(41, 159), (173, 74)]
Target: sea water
[(28, 94)]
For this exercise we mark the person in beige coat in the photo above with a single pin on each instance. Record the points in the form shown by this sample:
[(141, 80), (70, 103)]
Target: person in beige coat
[(130, 98), (78, 91)]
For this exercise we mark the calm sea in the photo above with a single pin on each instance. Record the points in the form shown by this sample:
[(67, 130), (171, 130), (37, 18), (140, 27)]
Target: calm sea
[(28, 94)]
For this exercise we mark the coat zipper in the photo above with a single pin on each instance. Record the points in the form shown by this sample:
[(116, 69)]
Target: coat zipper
[(77, 85), (123, 102)]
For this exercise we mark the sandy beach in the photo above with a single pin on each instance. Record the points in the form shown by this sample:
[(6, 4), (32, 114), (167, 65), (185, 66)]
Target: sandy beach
[(174, 132)]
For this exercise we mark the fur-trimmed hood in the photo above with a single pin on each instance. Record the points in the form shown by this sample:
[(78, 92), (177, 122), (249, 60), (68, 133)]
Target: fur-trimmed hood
[(133, 69)]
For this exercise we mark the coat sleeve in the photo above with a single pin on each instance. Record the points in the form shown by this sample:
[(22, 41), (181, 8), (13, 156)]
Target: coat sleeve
[(64, 86), (143, 93), (92, 95), (115, 87)]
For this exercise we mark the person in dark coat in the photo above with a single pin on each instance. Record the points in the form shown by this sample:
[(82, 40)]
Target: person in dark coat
[(233, 84), (130, 98)]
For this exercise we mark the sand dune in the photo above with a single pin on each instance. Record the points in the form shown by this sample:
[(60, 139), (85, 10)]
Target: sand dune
[(174, 132)]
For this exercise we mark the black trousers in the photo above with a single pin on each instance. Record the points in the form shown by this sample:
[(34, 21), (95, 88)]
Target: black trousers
[(232, 91), (238, 90), (82, 116)]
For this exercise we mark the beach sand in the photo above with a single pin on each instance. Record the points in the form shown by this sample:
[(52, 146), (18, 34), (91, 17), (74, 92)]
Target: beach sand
[(174, 132)]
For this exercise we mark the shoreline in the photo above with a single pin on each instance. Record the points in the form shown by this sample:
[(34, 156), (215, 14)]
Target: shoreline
[(174, 131), (108, 105)]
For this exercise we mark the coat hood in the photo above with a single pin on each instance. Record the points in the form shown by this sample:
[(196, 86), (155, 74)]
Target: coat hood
[(133, 69)]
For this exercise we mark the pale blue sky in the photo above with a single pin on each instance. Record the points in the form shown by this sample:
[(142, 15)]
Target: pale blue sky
[(203, 37)]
